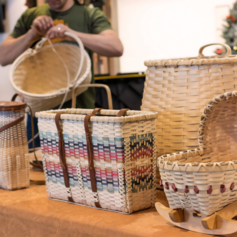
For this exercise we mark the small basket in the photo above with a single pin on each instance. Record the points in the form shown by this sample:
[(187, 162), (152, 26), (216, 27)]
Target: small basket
[(100, 158), (14, 161), (205, 179), (179, 89), (47, 75)]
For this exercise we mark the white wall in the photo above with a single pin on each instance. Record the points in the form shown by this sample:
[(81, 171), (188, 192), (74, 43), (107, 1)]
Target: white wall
[(14, 9), (157, 29)]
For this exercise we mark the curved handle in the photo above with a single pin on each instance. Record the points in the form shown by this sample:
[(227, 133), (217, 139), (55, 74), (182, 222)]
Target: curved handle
[(228, 53), (20, 95), (74, 94), (81, 47)]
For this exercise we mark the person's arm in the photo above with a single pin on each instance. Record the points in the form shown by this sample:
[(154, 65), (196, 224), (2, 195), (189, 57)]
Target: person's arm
[(106, 43), (12, 47)]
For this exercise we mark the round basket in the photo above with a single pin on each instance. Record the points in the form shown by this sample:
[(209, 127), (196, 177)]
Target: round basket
[(46, 76), (205, 179), (179, 89)]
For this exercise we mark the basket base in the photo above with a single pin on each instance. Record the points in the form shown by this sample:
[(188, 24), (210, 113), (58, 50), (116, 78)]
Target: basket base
[(219, 223)]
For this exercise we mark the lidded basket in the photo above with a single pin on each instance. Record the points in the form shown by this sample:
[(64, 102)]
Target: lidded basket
[(14, 161), (179, 89), (205, 179)]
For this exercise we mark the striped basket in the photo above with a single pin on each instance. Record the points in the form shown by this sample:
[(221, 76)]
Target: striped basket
[(179, 89), (205, 179), (102, 161), (14, 162)]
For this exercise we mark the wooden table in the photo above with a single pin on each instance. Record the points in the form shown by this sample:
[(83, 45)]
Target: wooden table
[(29, 213)]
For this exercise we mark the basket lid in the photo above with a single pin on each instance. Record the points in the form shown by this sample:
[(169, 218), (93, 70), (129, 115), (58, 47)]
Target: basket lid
[(196, 61), (13, 105)]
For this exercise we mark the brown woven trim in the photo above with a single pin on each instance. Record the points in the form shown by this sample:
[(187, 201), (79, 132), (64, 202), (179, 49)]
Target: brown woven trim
[(62, 153), (12, 124), (12, 106)]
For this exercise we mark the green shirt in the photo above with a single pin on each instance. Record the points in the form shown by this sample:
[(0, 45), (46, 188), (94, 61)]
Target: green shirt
[(79, 18)]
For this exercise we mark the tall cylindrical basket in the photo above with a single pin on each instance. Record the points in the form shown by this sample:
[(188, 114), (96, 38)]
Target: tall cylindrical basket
[(179, 89), (14, 163)]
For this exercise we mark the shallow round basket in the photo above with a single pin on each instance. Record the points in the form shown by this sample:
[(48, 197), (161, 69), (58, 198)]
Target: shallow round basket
[(45, 74), (205, 179)]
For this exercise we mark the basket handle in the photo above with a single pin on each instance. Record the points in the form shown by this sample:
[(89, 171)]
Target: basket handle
[(227, 47), (82, 56), (62, 156), (20, 95), (74, 94), (122, 112)]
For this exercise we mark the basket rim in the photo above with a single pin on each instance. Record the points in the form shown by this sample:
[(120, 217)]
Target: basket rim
[(190, 61), (164, 163), (79, 115), (30, 52)]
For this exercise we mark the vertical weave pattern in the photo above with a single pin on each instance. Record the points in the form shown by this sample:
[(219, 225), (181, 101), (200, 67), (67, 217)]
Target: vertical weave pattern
[(124, 159), (14, 168)]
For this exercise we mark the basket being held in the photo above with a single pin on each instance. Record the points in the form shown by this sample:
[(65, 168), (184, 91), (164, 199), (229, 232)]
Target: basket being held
[(47, 75)]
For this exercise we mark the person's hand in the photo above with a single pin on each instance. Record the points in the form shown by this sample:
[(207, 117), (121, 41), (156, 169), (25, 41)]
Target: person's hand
[(41, 25), (58, 32)]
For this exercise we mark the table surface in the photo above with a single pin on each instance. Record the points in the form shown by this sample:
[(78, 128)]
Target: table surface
[(29, 213)]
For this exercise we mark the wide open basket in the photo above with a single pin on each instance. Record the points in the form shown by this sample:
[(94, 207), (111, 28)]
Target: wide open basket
[(179, 90), (106, 161), (205, 179), (45, 74), (14, 161)]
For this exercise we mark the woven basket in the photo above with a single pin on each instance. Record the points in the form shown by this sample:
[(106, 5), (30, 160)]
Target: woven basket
[(107, 163), (44, 75), (205, 179), (179, 89), (14, 161)]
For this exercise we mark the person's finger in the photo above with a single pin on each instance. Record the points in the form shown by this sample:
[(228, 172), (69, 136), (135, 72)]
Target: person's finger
[(44, 22), (38, 26), (49, 22), (51, 35)]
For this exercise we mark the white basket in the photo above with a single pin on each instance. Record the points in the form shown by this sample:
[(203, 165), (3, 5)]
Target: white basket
[(123, 157), (44, 75), (205, 179)]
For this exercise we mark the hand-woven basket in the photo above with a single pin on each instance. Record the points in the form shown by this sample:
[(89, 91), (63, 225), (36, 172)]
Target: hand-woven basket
[(44, 75), (107, 163), (14, 162), (179, 89), (205, 179)]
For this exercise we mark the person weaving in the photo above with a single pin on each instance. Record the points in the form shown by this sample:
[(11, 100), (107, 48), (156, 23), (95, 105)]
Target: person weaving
[(52, 20)]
